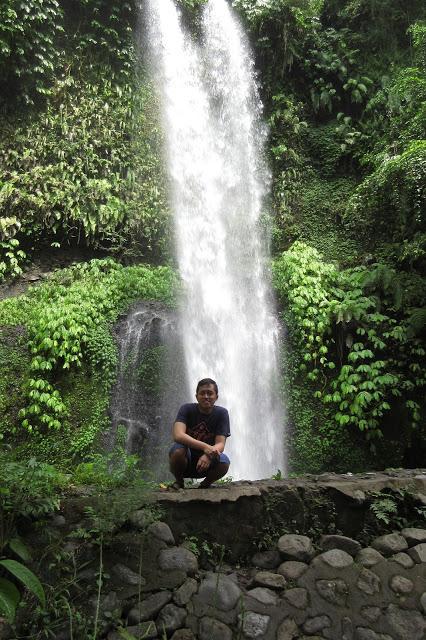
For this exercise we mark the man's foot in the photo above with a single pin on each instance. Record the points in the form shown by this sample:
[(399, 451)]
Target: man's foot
[(204, 485), (174, 486)]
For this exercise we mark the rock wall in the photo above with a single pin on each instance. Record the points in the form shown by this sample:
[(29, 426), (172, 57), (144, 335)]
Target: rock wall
[(294, 590), (238, 513), (200, 576)]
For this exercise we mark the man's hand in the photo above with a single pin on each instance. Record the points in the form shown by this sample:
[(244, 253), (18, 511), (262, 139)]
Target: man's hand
[(203, 463)]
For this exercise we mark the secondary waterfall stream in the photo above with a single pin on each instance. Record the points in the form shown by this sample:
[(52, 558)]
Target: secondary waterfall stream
[(215, 155)]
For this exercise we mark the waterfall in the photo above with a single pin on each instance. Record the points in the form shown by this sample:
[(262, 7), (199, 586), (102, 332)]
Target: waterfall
[(218, 183)]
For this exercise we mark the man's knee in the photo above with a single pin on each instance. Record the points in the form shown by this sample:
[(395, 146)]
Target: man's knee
[(178, 456), (222, 469)]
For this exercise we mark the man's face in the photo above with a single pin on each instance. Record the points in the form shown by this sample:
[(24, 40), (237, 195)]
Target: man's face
[(206, 397)]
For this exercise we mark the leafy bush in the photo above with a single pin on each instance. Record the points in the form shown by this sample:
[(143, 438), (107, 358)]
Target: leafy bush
[(71, 175), (68, 319), (391, 202), (355, 347), (29, 51), (27, 490)]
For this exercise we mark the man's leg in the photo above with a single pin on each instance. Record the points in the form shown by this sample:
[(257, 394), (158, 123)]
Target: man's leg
[(214, 473), (178, 464)]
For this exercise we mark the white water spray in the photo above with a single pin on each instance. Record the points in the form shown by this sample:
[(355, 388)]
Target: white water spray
[(215, 144)]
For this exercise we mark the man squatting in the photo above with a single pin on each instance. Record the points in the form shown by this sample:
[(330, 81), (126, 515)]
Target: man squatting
[(199, 435)]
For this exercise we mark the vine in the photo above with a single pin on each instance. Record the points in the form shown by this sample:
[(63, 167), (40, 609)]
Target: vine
[(355, 353)]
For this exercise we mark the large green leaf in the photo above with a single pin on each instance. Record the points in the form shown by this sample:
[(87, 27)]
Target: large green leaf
[(20, 549), (9, 598), (27, 577)]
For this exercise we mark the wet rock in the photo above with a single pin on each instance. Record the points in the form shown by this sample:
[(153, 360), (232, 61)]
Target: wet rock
[(141, 631), (334, 591), (401, 585), (60, 634), (405, 623), (178, 558), (368, 582), (124, 574), (211, 629), (318, 623), (140, 519), (414, 536), (183, 634), (363, 633), (368, 557), (58, 521), (403, 559), (336, 559), (219, 591), (271, 580), (162, 531), (265, 596), (171, 618), (347, 629), (296, 547), (297, 597), (269, 559), (254, 625), (288, 630), (371, 614), (185, 592), (149, 607), (390, 544), (292, 569), (418, 553), (109, 605), (340, 542)]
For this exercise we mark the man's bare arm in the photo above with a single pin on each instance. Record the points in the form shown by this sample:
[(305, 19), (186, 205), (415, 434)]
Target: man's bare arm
[(219, 444), (180, 436)]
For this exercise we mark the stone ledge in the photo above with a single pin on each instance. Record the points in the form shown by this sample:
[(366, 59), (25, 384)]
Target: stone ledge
[(328, 501)]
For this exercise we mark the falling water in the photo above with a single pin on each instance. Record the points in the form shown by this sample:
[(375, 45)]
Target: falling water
[(215, 140), (149, 383)]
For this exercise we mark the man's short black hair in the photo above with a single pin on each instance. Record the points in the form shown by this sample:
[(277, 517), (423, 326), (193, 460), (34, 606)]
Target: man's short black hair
[(207, 381)]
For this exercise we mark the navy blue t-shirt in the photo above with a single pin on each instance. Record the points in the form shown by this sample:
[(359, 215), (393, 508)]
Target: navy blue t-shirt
[(204, 426)]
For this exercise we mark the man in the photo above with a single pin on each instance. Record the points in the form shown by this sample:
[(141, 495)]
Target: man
[(200, 433)]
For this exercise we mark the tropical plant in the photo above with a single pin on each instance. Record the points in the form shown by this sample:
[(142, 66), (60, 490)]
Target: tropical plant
[(27, 489)]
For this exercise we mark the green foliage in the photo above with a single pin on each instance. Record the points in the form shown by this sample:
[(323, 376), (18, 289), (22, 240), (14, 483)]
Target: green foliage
[(280, 28), (108, 471), (68, 319), (192, 4), (392, 201), (26, 490), (329, 64), (151, 370), (12, 258), (354, 346), (14, 365), (384, 507), (71, 175), (390, 510), (29, 53)]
